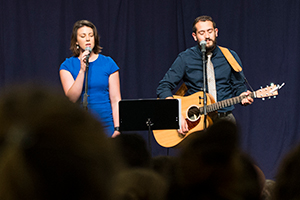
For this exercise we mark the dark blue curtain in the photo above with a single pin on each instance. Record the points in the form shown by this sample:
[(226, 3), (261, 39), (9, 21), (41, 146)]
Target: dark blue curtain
[(144, 38)]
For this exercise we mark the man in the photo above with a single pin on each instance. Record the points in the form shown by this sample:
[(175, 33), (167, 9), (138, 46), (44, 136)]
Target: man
[(188, 67)]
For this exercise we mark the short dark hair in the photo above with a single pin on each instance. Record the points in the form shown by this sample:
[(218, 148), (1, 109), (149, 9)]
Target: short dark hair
[(203, 18), (73, 47)]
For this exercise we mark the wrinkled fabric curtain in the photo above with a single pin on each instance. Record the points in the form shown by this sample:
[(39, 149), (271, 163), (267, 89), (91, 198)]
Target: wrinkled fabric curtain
[(144, 38)]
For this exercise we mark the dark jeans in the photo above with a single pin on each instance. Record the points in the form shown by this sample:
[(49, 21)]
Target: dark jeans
[(230, 117)]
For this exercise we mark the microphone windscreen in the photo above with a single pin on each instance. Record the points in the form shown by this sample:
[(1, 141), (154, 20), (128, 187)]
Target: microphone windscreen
[(88, 49), (203, 42)]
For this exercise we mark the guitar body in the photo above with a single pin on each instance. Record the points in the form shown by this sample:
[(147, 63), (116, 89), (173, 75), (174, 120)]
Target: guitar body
[(189, 107)]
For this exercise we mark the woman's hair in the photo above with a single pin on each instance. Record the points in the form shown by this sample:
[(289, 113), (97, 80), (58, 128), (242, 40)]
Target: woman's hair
[(81, 23)]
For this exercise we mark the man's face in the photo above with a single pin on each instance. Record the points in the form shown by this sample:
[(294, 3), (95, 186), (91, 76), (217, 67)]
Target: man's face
[(206, 31)]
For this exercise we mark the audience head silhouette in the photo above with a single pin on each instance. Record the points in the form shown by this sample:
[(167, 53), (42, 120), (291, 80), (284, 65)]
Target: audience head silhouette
[(52, 149), (211, 166), (139, 184), (133, 149), (288, 178)]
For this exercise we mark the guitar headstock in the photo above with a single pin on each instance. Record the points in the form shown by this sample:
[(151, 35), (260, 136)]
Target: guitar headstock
[(269, 91)]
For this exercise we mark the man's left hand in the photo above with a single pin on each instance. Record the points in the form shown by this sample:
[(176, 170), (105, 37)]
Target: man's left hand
[(248, 100)]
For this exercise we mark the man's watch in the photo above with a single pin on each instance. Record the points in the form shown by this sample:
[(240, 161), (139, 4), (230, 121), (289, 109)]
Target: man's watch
[(117, 128)]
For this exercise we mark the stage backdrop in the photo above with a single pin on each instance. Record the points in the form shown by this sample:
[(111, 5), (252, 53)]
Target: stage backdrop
[(144, 38)]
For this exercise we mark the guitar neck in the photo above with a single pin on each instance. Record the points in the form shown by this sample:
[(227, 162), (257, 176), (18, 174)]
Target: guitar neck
[(225, 103)]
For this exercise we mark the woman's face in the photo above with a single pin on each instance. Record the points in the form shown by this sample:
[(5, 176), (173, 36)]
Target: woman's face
[(85, 37)]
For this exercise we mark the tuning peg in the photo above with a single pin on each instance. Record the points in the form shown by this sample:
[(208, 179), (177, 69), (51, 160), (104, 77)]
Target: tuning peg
[(274, 97), (269, 97), (263, 99)]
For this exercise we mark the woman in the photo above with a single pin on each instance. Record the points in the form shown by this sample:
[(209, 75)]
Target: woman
[(103, 76)]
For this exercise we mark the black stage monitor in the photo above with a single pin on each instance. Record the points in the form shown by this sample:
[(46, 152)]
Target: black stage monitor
[(146, 114)]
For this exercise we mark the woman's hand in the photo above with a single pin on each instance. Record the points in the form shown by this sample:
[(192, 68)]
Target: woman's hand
[(83, 60), (115, 134)]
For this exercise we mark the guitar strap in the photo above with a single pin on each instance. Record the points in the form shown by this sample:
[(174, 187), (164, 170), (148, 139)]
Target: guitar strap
[(229, 57), (232, 61)]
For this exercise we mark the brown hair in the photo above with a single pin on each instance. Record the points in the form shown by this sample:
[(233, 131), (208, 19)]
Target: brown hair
[(73, 47), (203, 18)]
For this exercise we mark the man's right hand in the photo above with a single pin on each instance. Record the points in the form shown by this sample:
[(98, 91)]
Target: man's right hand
[(183, 126)]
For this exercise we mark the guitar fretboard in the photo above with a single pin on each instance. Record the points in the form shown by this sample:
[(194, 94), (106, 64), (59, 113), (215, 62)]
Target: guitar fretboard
[(225, 103)]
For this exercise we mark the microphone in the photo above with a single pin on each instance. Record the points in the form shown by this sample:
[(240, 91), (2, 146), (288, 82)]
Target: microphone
[(203, 46), (88, 56)]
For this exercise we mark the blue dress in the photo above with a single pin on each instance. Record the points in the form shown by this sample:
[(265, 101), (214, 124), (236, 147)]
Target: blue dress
[(98, 93)]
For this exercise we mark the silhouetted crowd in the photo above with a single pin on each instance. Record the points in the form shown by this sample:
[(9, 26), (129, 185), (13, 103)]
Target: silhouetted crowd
[(53, 149)]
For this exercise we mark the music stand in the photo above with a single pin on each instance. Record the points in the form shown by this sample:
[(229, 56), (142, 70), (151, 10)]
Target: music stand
[(149, 114)]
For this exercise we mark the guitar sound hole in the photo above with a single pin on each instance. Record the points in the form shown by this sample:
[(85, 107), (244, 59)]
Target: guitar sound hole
[(193, 113)]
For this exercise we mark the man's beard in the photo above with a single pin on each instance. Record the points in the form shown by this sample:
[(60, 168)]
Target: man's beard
[(213, 46)]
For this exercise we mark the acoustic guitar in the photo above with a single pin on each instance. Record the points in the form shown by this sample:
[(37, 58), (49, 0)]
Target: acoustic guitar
[(192, 111)]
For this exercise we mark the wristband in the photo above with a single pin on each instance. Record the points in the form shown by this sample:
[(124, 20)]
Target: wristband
[(117, 128)]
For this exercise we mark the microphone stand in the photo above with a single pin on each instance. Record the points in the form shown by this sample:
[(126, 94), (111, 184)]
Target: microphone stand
[(204, 61), (85, 95)]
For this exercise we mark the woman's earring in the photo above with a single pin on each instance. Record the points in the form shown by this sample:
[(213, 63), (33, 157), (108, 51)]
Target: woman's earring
[(77, 46)]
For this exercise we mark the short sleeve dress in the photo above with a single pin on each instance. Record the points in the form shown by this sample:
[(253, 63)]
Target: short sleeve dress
[(98, 92)]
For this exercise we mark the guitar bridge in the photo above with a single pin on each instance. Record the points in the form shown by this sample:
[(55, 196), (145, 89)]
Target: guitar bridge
[(200, 100)]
